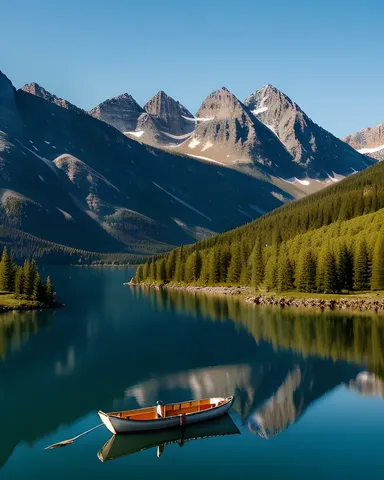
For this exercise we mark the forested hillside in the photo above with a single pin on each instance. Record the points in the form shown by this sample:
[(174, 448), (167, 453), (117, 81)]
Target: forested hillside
[(329, 242)]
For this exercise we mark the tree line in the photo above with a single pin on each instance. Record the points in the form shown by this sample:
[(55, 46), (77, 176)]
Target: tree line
[(313, 245), (25, 281)]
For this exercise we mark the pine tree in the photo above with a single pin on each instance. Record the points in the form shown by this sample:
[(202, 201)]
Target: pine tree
[(321, 266), (7, 272), (234, 269), (49, 292), (305, 275), (284, 271), (146, 271), (161, 273), (37, 288), (19, 281), (214, 266), (170, 265), (139, 277), (345, 268), (270, 280), (331, 284), (204, 273), (257, 265), (28, 279), (225, 259), (179, 266), (152, 269), (377, 280), (362, 269)]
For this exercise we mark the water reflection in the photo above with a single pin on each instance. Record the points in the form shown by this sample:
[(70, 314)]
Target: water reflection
[(123, 445), (173, 346)]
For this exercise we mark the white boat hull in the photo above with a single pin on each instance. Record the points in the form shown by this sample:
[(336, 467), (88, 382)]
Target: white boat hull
[(123, 425)]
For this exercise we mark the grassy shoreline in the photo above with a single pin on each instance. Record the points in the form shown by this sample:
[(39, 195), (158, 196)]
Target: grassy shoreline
[(8, 301)]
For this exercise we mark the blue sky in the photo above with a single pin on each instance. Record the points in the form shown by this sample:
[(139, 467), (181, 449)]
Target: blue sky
[(326, 55)]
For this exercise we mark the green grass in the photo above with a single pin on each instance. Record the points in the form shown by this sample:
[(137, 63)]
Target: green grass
[(9, 302)]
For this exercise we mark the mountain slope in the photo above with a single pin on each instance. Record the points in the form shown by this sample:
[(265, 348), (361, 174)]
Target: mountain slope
[(71, 179), (369, 141), (317, 151), (229, 133)]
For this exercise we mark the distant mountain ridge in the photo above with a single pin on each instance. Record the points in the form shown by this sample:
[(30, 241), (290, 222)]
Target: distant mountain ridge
[(369, 141), (71, 179), (121, 112), (317, 151), (229, 133), (35, 89)]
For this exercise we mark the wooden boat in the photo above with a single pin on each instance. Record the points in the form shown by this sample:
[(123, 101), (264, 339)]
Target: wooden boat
[(122, 445), (166, 416)]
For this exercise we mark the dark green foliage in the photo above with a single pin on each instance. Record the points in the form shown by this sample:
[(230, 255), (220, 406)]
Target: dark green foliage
[(362, 269), (28, 279), (49, 292), (234, 270), (38, 289), (345, 268), (170, 264), (161, 273), (257, 264), (24, 281), (19, 281), (225, 259), (179, 266), (331, 283), (285, 280), (306, 272), (214, 266), (377, 282), (7, 272)]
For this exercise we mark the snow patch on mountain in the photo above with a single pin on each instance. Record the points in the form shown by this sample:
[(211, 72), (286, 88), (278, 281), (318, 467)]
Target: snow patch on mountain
[(135, 134), (194, 143), (256, 111), (371, 150)]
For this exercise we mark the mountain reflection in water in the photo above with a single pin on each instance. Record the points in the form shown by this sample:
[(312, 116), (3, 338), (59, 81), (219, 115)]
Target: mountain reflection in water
[(149, 345)]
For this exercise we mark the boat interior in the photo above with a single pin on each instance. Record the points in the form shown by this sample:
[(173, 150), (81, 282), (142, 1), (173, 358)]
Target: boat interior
[(174, 409)]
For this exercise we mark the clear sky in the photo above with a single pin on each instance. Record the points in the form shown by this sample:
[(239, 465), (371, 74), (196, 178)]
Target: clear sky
[(327, 55)]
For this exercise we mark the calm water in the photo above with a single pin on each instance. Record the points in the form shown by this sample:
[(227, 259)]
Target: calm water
[(303, 408)]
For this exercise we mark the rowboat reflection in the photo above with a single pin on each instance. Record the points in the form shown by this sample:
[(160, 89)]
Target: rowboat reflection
[(122, 445)]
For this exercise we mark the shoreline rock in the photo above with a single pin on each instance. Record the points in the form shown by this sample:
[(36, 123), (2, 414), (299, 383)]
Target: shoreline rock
[(375, 304)]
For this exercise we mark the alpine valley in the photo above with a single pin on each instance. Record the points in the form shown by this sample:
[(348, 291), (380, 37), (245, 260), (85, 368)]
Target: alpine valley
[(132, 181)]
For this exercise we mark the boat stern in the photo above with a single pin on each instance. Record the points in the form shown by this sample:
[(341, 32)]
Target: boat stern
[(107, 422)]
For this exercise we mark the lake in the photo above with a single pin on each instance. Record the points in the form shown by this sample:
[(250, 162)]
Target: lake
[(309, 399)]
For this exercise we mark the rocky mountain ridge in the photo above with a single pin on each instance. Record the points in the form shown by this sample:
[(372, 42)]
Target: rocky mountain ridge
[(369, 141)]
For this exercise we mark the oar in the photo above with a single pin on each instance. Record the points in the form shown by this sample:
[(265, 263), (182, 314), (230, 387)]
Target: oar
[(64, 443)]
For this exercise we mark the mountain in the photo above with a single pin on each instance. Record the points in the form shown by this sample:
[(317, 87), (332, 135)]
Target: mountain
[(328, 242), (121, 112), (171, 117), (369, 141), (73, 180), (318, 152), (35, 89), (162, 122), (228, 133)]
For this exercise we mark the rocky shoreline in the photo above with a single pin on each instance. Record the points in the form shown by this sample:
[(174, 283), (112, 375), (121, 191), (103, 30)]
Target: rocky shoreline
[(373, 303)]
